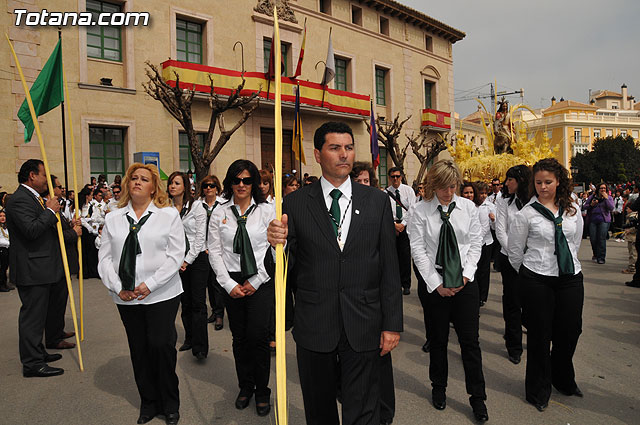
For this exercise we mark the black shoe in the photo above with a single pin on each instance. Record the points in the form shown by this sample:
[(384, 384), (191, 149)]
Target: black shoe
[(576, 392), (482, 303), (172, 418), (211, 318), (4, 289), (406, 291), (263, 409), (201, 355), (600, 260), (242, 401), (515, 358), (143, 419), (540, 406), (427, 346), (633, 284), (50, 358), (439, 399), (386, 421), (43, 372), (219, 324), (184, 347), (480, 411)]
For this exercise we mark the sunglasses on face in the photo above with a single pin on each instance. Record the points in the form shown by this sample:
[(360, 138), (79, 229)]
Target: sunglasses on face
[(246, 181), (212, 186), (396, 176)]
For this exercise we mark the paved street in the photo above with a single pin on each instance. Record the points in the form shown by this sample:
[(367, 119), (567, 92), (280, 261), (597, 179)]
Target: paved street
[(607, 365)]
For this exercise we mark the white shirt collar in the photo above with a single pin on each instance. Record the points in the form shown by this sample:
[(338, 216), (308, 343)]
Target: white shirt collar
[(32, 190), (327, 187), (434, 202), (151, 208)]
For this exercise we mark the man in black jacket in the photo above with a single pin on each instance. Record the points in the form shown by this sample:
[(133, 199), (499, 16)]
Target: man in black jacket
[(341, 242), (34, 261)]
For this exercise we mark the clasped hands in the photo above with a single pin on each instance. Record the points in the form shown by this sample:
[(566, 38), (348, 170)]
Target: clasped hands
[(140, 293), (244, 290), (450, 292)]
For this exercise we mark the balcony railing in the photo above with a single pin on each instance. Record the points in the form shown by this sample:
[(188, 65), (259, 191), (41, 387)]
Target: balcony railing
[(436, 120), (584, 118)]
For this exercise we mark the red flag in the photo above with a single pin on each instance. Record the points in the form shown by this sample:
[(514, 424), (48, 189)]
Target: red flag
[(301, 57), (375, 150)]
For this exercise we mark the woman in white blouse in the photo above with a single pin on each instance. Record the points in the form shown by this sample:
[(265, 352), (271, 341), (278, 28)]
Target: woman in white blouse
[(544, 239), (4, 252), (195, 268), (514, 196), (140, 256), (237, 248), (446, 241)]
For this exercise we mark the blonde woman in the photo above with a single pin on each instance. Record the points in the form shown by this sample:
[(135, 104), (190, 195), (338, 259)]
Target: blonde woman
[(141, 253), (446, 241)]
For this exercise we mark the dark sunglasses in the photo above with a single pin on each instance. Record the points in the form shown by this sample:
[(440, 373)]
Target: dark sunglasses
[(247, 181), (116, 193), (213, 186), (497, 184), (396, 176)]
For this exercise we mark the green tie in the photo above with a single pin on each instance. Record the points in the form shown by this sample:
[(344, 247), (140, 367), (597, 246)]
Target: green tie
[(398, 205), (209, 212), (242, 245), (183, 211), (334, 211), (448, 256), (563, 254), (131, 248)]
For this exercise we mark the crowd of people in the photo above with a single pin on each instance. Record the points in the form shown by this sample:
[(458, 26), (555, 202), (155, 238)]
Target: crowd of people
[(162, 247)]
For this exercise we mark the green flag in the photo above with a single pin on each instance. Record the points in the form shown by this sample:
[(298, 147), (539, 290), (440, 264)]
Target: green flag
[(46, 92)]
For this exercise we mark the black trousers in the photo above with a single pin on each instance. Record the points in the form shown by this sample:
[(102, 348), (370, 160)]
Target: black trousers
[(404, 258), (31, 323), (495, 249), (359, 373), (4, 266), (152, 336), (483, 272), (54, 327), (249, 324), (553, 308), (511, 309), (216, 298), (194, 304), (89, 255), (462, 309), (387, 389), (423, 295)]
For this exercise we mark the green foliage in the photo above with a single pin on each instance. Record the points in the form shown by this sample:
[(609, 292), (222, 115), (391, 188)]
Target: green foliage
[(613, 160)]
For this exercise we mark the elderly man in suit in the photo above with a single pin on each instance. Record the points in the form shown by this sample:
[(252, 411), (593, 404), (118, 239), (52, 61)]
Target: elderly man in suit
[(35, 265), (341, 242)]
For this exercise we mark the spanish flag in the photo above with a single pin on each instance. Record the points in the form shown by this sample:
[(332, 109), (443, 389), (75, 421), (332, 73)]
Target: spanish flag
[(296, 145), (301, 57)]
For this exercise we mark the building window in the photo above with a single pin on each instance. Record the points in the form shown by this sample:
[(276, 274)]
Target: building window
[(428, 40), (267, 53), (106, 151), (189, 41), (609, 132), (384, 25), (103, 42), (341, 73), (596, 133), (356, 15), (325, 6), (184, 148), (577, 135), (382, 168), (428, 94), (623, 133), (381, 89), (614, 105)]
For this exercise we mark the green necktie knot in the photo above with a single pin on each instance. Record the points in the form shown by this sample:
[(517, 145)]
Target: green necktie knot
[(130, 250), (563, 253), (448, 256), (242, 244), (334, 211)]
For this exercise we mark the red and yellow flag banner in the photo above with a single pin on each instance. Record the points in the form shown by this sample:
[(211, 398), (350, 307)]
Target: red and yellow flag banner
[(196, 77), (435, 118)]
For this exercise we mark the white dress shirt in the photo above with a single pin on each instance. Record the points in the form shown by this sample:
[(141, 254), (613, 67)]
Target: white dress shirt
[(111, 206), (407, 197), (162, 243), (195, 228), (484, 209), (504, 217), (493, 197), (4, 237), (424, 233), (37, 195), (222, 230), (346, 206), (531, 240)]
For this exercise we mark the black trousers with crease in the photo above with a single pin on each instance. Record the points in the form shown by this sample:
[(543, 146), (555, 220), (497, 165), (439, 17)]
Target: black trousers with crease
[(483, 272), (511, 307), (194, 304), (403, 249)]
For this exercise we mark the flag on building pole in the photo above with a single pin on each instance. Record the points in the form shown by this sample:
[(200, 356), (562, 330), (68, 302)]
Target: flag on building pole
[(281, 267), (46, 92), (375, 150), (330, 64), (298, 137), (301, 57)]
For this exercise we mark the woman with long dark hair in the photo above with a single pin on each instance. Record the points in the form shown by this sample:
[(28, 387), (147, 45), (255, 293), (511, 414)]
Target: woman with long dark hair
[(515, 195), (544, 239), (194, 269), (237, 248)]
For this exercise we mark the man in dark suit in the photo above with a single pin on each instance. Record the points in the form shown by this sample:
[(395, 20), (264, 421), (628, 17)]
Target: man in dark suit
[(341, 242), (35, 264)]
